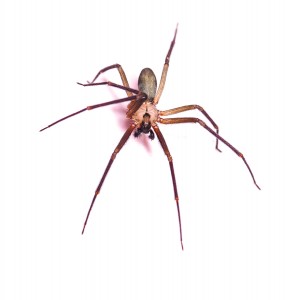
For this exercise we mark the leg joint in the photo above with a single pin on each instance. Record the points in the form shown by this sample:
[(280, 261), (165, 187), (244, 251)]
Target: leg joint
[(198, 107)]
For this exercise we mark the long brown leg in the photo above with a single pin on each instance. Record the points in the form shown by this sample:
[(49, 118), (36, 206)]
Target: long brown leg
[(167, 152), (92, 107), (132, 106), (190, 107), (113, 156), (165, 70), (203, 124), (122, 75), (127, 89)]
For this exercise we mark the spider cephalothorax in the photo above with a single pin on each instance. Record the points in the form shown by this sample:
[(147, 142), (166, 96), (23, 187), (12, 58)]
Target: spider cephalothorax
[(145, 116), (145, 127)]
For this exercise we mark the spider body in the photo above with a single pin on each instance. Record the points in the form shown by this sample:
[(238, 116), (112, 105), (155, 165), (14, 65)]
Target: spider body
[(145, 116)]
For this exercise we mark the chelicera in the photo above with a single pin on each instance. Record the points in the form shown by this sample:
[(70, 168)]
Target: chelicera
[(145, 117)]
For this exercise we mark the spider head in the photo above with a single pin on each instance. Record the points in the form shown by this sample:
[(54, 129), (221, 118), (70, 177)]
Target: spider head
[(147, 83), (145, 127)]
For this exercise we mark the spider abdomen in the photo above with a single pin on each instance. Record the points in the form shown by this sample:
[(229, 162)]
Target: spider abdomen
[(147, 83)]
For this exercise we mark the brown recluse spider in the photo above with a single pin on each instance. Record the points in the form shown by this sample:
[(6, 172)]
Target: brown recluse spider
[(143, 113)]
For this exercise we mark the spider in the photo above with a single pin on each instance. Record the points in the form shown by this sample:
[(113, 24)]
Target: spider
[(145, 116)]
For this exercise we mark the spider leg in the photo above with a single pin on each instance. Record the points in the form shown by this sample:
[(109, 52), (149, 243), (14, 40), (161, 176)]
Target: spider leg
[(165, 70), (132, 106), (113, 156), (122, 75), (203, 124), (190, 107), (127, 89), (170, 159), (90, 108)]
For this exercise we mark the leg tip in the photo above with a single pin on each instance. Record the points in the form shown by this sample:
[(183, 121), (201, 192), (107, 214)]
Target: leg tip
[(182, 246), (257, 186)]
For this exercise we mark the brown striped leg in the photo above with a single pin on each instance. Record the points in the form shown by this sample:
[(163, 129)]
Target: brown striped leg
[(113, 156), (165, 70), (190, 107), (167, 152), (122, 75), (203, 124)]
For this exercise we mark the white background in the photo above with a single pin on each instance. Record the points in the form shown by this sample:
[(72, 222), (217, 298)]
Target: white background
[(232, 57)]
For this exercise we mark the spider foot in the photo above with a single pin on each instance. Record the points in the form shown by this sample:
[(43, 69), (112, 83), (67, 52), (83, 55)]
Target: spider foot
[(217, 148)]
